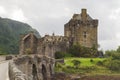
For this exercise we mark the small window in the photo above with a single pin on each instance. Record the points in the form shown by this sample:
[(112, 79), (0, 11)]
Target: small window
[(84, 34)]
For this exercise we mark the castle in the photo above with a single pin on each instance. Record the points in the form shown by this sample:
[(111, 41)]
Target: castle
[(39, 64), (81, 29)]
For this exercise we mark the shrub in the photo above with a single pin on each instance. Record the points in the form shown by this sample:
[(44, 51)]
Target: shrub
[(109, 53), (81, 51), (111, 64), (118, 49), (91, 60), (58, 67), (114, 65), (59, 55), (100, 63), (68, 55), (76, 63), (116, 56), (75, 50)]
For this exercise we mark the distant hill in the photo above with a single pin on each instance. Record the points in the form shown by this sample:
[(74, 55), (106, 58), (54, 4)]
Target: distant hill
[(10, 31)]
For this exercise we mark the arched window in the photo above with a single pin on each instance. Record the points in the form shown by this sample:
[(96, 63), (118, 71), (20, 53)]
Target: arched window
[(84, 34)]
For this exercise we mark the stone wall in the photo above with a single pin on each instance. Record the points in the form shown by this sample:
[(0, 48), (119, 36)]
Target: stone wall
[(82, 29), (48, 45), (31, 67), (15, 73)]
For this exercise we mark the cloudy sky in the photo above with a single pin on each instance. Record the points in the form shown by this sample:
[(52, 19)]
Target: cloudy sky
[(48, 16)]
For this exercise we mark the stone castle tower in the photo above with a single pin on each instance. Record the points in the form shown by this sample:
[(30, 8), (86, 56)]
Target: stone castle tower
[(82, 29)]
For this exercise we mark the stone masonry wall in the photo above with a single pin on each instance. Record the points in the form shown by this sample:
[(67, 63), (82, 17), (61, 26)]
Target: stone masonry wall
[(31, 67), (15, 73)]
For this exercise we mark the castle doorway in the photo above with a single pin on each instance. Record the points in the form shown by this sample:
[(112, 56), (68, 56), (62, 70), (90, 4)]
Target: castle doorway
[(44, 72), (34, 72)]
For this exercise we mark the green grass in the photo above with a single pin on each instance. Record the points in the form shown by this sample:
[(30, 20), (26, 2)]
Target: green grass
[(84, 61)]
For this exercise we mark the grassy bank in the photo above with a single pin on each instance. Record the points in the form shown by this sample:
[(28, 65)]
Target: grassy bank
[(86, 66), (84, 61)]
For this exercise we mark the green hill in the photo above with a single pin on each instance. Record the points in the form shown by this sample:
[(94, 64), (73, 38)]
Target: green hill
[(10, 31)]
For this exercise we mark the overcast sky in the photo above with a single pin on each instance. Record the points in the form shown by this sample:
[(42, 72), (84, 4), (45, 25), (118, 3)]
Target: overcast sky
[(48, 16)]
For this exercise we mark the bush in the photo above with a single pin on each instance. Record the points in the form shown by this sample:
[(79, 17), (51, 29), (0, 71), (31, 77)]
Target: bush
[(76, 63), (58, 67), (116, 56), (100, 63), (111, 64), (75, 50), (91, 60), (59, 55), (114, 65), (81, 51)]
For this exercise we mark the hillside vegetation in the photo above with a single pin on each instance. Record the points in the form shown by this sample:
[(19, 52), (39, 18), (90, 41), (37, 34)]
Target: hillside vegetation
[(10, 31)]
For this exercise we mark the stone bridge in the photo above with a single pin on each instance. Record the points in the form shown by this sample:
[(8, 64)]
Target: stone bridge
[(31, 67)]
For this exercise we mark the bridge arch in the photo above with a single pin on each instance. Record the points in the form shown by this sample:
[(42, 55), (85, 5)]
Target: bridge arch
[(44, 72), (50, 67), (34, 72)]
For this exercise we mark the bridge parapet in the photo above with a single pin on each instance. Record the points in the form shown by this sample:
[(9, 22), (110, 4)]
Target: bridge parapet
[(15, 73), (37, 67)]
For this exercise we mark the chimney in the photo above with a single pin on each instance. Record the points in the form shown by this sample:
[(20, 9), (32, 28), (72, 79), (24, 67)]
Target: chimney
[(84, 14)]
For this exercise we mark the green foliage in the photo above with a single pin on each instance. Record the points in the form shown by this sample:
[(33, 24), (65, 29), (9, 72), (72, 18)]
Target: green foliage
[(75, 50), (113, 53), (58, 67), (114, 65), (81, 51), (10, 32), (118, 49), (91, 60), (76, 63), (100, 63), (59, 55), (113, 62), (109, 53), (116, 56)]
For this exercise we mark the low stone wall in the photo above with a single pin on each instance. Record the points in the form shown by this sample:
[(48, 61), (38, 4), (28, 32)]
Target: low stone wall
[(15, 73)]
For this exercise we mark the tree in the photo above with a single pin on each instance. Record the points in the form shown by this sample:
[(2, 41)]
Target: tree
[(118, 49)]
